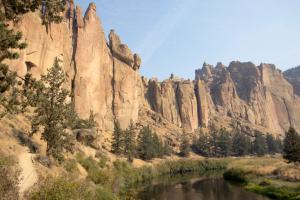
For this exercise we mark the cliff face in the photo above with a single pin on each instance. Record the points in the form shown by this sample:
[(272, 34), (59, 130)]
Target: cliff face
[(104, 78)]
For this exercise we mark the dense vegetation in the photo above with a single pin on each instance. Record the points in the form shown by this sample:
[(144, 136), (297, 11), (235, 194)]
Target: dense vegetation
[(146, 145), (119, 181), (223, 143)]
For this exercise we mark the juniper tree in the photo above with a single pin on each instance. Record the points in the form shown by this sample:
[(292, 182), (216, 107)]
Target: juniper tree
[(224, 143), (259, 144), (202, 144), (145, 147), (50, 112), (241, 144), (185, 148), (271, 144), (117, 139), (291, 146), (129, 143), (10, 43)]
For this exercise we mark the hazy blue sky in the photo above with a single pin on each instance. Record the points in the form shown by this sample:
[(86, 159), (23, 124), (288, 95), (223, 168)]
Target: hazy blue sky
[(179, 35)]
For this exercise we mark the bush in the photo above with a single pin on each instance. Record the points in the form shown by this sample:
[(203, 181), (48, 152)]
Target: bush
[(9, 178), (275, 192), (71, 166), (64, 188), (236, 175)]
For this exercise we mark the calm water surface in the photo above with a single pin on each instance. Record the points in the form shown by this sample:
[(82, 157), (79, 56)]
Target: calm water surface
[(206, 188)]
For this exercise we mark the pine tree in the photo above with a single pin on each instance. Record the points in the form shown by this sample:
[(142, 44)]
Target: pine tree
[(51, 111), (214, 134), (129, 143), (146, 149), (185, 148), (12, 10), (240, 144), (291, 146), (117, 140), (202, 144), (224, 143), (271, 144), (167, 149), (259, 144)]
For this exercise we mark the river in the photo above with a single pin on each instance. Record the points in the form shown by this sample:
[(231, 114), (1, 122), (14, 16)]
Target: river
[(191, 188)]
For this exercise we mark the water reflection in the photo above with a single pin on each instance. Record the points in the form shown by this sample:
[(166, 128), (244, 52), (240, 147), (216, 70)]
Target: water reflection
[(213, 188)]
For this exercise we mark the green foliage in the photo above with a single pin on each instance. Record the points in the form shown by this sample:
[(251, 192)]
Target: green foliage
[(149, 145), (75, 122), (51, 111), (236, 175), (61, 189), (9, 178), (71, 166), (184, 146), (274, 145), (10, 43), (284, 193), (117, 140), (259, 144), (129, 143), (241, 144), (224, 143), (291, 147), (201, 144)]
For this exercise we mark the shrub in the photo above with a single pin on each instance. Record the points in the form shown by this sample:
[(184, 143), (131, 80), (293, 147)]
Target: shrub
[(71, 166), (61, 189), (9, 178), (235, 175)]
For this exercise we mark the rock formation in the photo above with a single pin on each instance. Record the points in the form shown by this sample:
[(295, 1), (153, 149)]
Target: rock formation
[(104, 78), (293, 76)]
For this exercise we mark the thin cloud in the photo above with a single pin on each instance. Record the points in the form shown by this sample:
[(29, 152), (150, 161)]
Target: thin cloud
[(163, 28)]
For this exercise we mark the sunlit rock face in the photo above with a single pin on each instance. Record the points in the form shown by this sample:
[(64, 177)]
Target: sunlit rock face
[(93, 65), (103, 77)]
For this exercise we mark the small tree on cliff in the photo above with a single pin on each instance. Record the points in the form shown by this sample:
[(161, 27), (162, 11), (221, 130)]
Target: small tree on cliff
[(291, 146), (51, 111), (11, 11)]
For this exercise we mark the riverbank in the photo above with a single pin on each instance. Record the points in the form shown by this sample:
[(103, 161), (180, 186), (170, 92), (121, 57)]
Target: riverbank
[(120, 180), (271, 177)]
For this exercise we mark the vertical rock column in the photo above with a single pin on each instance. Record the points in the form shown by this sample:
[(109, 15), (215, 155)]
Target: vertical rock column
[(94, 70), (127, 83)]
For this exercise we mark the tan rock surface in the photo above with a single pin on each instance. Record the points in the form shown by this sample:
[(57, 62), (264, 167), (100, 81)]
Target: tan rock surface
[(94, 70)]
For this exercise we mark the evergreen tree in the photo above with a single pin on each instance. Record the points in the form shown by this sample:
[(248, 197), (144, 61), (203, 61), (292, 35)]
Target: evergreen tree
[(129, 143), (167, 149), (117, 139), (291, 146), (214, 134), (279, 145), (224, 143), (202, 144), (157, 146), (259, 144), (240, 144), (146, 149), (11, 10), (185, 148), (51, 111), (271, 144)]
